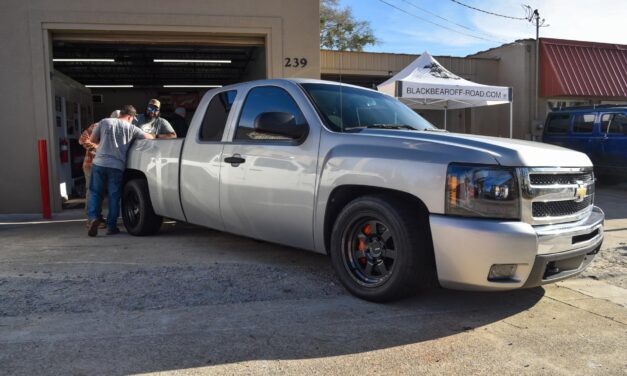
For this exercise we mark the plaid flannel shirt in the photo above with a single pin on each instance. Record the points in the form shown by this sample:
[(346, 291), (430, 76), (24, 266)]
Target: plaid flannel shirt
[(90, 147)]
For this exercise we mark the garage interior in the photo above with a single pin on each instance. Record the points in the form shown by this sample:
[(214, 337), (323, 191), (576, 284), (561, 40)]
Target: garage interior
[(95, 74)]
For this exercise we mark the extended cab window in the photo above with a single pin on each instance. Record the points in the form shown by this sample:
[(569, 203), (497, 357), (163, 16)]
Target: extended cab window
[(557, 124), (263, 100), (583, 123), (614, 124), (215, 118)]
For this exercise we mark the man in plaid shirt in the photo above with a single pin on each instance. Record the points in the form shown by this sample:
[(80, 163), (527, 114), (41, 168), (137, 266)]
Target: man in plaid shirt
[(90, 152)]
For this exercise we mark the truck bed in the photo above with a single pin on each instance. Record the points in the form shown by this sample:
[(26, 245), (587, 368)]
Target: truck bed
[(161, 158)]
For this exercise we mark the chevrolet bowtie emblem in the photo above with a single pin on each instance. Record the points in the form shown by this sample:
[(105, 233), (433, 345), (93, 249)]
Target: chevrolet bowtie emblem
[(580, 192)]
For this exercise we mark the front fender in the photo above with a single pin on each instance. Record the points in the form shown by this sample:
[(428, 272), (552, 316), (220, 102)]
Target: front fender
[(418, 169)]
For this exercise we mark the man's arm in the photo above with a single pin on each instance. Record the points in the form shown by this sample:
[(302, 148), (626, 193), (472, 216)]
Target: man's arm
[(165, 129), (85, 139), (140, 134), (95, 134), (167, 135)]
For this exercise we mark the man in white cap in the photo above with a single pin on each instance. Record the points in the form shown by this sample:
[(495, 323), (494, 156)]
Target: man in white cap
[(151, 122), (90, 152), (114, 138)]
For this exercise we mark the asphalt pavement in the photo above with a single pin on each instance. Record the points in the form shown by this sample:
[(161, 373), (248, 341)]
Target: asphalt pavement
[(195, 301)]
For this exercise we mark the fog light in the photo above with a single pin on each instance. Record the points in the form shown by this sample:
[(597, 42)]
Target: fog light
[(500, 272)]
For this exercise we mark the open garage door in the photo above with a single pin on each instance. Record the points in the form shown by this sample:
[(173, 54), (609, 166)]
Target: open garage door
[(114, 69)]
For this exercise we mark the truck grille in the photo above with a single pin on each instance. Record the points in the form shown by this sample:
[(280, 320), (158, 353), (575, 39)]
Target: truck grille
[(556, 195), (559, 208), (544, 179)]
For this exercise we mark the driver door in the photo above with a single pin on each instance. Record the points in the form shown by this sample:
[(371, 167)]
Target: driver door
[(268, 180)]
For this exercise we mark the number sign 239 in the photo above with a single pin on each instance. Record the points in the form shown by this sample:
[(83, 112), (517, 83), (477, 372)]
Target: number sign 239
[(295, 62)]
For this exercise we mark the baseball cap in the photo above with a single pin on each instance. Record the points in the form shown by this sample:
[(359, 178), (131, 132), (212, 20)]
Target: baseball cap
[(155, 102)]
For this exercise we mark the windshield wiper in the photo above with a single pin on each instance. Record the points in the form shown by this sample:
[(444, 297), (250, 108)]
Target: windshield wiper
[(434, 130), (391, 126)]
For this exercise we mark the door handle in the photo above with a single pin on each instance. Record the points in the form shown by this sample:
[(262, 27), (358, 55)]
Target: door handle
[(235, 160)]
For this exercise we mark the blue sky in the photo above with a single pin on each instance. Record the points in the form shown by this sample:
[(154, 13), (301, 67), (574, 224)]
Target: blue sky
[(398, 32)]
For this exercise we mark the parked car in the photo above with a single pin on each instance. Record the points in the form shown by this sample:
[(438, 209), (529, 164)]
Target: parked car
[(600, 132), (355, 174)]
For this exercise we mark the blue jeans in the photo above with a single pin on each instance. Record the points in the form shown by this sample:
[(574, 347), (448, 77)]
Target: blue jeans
[(112, 177)]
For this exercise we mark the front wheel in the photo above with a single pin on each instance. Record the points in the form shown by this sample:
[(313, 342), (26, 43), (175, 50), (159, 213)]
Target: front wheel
[(381, 248), (137, 213)]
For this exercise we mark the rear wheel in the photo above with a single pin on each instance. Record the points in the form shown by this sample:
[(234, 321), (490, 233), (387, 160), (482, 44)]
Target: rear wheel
[(137, 213), (381, 248)]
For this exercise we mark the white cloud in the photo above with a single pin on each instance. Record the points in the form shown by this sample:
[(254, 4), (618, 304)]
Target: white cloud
[(588, 20)]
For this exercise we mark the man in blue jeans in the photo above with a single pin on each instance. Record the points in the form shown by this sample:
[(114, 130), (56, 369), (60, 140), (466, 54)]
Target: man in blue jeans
[(114, 137)]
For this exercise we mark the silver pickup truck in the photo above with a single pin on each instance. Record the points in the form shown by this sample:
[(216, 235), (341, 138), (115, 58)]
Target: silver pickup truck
[(355, 174)]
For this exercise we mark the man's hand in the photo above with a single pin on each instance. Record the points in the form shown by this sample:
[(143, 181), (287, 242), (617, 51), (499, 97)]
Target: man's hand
[(94, 139), (85, 139)]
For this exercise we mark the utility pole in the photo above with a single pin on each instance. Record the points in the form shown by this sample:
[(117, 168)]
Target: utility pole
[(533, 16), (536, 19)]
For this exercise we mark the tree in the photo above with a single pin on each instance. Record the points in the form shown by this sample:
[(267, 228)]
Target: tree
[(339, 30)]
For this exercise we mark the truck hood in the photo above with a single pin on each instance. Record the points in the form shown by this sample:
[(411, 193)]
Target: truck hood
[(507, 152)]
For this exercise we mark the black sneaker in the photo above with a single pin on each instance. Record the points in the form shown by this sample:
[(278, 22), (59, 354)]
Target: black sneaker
[(92, 228), (113, 231)]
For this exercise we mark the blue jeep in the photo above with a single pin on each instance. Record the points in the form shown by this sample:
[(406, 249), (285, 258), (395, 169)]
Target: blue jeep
[(600, 132)]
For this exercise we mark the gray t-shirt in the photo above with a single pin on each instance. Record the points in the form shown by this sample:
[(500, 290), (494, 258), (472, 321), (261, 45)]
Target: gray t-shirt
[(154, 126), (114, 138)]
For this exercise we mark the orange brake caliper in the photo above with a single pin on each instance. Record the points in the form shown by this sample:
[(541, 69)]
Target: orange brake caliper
[(367, 230)]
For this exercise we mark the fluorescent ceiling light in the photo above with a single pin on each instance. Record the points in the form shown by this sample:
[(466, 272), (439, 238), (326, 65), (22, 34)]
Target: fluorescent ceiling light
[(85, 60), (192, 61), (171, 86), (109, 86)]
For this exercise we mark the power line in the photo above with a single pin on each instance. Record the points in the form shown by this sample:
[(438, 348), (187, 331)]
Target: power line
[(437, 24), (492, 13), (444, 18)]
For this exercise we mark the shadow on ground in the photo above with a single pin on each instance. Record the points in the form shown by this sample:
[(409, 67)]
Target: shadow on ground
[(612, 198), (265, 302)]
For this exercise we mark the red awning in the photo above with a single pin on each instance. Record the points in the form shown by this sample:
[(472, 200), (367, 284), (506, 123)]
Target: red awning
[(582, 69)]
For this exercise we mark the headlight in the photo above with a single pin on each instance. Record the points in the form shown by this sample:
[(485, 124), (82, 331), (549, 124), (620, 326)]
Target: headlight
[(482, 191)]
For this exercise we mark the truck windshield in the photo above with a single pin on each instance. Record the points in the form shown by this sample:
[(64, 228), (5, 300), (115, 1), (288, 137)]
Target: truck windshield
[(346, 109)]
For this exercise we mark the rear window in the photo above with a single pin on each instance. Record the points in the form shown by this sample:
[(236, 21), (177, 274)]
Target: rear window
[(583, 123), (614, 123), (215, 118), (557, 124)]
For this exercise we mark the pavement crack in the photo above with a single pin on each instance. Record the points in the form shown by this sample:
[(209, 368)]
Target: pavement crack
[(514, 325), (585, 310)]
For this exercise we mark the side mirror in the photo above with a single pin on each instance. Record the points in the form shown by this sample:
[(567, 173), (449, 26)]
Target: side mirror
[(282, 124)]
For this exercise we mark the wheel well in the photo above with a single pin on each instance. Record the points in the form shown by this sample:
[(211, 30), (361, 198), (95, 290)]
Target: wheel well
[(342, 195), (130, 174)]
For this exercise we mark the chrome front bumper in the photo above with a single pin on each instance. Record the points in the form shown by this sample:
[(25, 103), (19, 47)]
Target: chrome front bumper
[(466, 248)]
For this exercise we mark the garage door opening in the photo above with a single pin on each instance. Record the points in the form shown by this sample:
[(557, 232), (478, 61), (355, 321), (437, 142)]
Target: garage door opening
[(95, 74)]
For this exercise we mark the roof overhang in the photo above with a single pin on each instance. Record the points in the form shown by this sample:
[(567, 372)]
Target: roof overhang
[(582, 69)]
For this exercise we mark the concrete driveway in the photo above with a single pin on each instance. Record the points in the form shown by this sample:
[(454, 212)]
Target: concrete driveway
[(196, 301)]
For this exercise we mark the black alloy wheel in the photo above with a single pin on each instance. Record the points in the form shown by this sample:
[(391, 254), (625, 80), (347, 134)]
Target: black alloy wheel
[(137, 212), (131, 210), (368, 250), (381, 248)]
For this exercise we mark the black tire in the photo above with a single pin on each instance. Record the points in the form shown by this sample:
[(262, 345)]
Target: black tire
[(397, 252), (137, 213)]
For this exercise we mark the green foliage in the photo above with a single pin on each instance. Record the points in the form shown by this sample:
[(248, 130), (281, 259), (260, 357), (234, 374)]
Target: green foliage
[(339, 30)]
